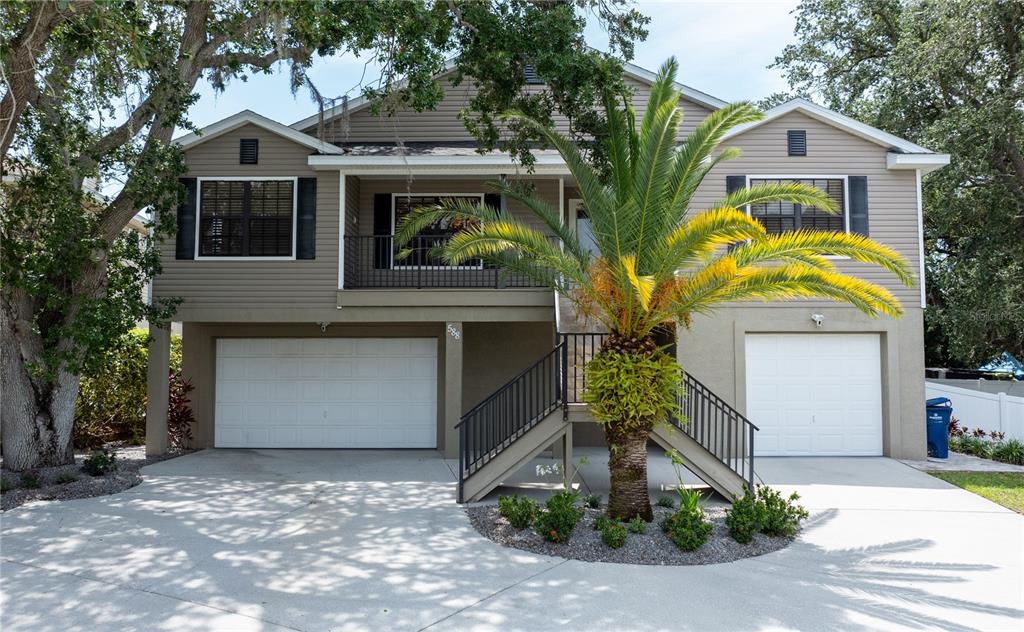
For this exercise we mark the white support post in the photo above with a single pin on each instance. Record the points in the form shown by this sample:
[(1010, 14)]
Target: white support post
[(341, 230)]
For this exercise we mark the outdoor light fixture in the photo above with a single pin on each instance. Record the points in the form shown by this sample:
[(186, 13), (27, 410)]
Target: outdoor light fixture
[(818, 319), (323, 326)]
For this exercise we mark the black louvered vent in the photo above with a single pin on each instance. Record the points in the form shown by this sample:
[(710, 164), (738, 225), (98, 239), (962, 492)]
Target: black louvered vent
[(531, 76), (249, 151), (796, 139)]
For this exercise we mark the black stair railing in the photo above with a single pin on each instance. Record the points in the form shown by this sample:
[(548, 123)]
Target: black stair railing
[(510, 412)]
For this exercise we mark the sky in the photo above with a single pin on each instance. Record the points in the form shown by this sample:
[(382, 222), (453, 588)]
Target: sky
[(723, 49)]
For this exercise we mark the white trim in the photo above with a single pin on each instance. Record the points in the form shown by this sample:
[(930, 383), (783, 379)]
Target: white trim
[(437, 195), (920, 235), (691, 94), (246, 117), (341, 229), (295, 214), (846, 195), (924, 163), (835, 119), (489, 164)]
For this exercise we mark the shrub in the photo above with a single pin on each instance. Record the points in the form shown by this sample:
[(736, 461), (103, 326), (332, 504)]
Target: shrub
[(979, 433), (65, 477), (559, 516), (687, 529), (111, 403), (99, 463), (638, 525), (602, 522), (592, 500), (666, 502), (778, 516), (1011, 451), (954, 428), (30, 480), (742, 517), (5, 486), (518, 510), (975, 446), (614, 535)]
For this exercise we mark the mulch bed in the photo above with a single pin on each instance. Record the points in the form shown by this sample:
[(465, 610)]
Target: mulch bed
[(129, 460), (651, 548)]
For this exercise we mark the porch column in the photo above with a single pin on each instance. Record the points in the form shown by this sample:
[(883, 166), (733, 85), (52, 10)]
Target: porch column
[(157, 393), (452, 387)]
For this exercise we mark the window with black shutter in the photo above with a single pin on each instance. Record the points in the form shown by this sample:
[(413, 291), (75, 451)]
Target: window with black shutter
[(778, 217), (796, 141), (246, 218), (249, 151), (421, 249)]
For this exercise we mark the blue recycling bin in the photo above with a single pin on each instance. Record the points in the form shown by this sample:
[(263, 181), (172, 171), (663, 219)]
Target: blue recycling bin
[(939, 410)]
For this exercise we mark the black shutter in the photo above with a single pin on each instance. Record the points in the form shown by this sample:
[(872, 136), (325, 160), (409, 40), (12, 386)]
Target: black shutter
[(796, 142), (305, 225), (735, 183), (858, 204), (185, 239), (382, 231), (493, 200), (248, 151)]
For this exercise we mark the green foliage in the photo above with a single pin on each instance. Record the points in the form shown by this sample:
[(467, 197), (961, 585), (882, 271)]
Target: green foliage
[(592, 500), (631, 390), (179, 411), (742, 517), (99, 463), (518, 510), (5, 486), (778, 516), (65, 477), (614, 535), (975, 446), (602, 522), (1011, 451), (559, 516), (666, 502), (891, 65), (30, 479), (638, 525), (687, 528)]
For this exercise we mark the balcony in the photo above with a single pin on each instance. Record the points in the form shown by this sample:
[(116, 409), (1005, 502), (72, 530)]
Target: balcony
[(373, 262)]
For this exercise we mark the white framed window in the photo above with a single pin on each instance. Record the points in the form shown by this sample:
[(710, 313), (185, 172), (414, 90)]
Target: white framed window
[(420, 247), (246, 218), (778, 217)]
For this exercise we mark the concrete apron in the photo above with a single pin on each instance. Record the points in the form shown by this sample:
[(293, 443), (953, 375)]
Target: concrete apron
[(349, 540)]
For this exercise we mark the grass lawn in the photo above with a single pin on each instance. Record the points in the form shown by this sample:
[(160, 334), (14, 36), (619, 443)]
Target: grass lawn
[(1005, 488)]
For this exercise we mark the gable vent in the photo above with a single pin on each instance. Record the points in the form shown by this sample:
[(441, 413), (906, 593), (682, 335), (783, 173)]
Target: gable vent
[(796, 140), (248, 151), (531, 76)]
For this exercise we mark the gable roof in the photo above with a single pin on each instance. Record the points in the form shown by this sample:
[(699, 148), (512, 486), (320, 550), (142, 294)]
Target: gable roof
[(247, 117), (628, 69)]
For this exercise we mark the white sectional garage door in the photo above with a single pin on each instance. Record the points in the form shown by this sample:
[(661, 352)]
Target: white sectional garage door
[(326, 393), (815, 394)]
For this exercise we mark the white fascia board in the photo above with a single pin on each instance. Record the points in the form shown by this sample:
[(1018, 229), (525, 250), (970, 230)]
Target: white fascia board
[(829, 117), (691, 94), (468, 165), (923, 162), (246, 117)]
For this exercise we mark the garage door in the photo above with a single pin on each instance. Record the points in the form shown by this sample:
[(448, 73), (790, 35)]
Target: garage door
[(815, 394), (326, 393)]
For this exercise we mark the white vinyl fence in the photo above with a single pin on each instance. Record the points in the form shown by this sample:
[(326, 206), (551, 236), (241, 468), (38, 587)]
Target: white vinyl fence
[(989, 411)]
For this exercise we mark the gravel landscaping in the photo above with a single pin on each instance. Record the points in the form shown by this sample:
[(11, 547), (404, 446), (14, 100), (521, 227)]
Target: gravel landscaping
[(129, 460), (651, 548)]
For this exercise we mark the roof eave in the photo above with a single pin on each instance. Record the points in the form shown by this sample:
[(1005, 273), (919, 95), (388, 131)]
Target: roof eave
[(246, 117)]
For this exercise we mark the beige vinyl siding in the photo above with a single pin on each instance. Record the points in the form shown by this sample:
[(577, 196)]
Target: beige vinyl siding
[(242, 284), (892, 195), (443, 125)]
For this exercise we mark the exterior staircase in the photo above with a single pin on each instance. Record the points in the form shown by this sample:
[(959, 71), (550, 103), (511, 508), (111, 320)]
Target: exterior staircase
[(540, 405)]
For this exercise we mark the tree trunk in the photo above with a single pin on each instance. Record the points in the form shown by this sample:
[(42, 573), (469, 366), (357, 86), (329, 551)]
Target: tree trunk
[(36, 416), (627, 467)]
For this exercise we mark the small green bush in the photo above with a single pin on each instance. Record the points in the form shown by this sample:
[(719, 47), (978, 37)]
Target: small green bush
[(1011, 451), (65, 477), (99, 463), (666, 502), (559, 516), (518, 510), (592, 500), (30, 480), (778, 516), (614, 535), (974, 446), (637, 525), (5, 486), (687, 529), (602, 522), (742, 518)]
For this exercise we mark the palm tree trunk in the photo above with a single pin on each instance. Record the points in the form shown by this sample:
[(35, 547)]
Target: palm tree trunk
[(627, 467)]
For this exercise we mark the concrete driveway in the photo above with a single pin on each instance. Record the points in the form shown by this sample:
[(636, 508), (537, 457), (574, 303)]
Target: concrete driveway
[(332, 540)]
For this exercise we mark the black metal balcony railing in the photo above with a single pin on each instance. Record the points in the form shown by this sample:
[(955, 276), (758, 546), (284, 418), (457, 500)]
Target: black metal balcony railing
[(376, 262)]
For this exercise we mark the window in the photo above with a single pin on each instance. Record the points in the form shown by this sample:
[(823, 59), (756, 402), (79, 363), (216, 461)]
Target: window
[(419, 248), (246, 218), (779, 217)]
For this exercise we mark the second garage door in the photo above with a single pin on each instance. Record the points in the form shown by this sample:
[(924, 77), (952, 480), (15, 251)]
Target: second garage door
[(815, 394), (326, 393)]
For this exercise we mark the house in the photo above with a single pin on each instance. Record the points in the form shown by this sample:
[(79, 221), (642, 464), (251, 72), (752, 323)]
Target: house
[(301, 329)]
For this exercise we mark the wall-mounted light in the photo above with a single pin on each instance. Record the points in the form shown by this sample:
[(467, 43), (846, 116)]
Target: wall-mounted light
[(818, 319), (323, 326)]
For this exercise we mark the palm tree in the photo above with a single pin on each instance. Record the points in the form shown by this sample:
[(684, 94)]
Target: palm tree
[(658, 263)]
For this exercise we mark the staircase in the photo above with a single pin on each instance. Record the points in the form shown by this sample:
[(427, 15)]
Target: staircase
[(539, 406)]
